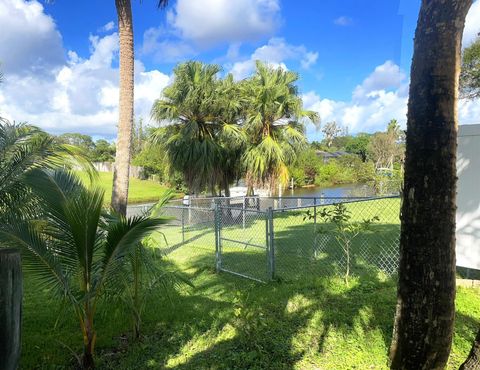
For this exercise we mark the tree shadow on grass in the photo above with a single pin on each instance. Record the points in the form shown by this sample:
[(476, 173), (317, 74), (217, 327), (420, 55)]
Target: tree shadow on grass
[(267, 319), (264, 326), (232, 323), (466, 328)]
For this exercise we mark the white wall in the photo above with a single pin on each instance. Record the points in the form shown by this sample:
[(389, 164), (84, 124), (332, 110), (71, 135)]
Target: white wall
[(468, 197)]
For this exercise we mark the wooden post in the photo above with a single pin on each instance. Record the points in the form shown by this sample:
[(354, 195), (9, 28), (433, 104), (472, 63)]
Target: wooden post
[(10, 308)]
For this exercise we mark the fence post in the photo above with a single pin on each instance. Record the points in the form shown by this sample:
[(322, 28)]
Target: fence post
[(10, 308), (314, 214), (271, 244), (183, 225), (218, 246), (243, 211)]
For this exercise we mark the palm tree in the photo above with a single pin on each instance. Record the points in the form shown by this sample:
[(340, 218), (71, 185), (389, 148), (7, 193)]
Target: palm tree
[(23, 148), (424, 320), (72, 250), (273, 125), (125, 108), (231, 136), (198, 127)]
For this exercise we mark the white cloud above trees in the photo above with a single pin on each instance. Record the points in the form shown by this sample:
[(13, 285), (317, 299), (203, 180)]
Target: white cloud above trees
[(60, 91), (70, 93), (162, 47), (472, 24), (343, 21), (195, 26), (381, 96), (29, 39), (385, 76), (276, 52), (107, 27), (210, 22)]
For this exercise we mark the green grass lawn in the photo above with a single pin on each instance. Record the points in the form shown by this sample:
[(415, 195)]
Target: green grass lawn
[(140, 191), (307, 320)]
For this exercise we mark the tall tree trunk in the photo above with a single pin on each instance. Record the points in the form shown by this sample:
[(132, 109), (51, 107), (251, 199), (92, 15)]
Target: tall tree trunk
[(10, 308), (125, 108), (226, 187), (426, 288), (473, 360)]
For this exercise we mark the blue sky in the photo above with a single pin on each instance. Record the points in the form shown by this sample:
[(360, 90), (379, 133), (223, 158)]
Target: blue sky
[(60, 59), (351, 37)]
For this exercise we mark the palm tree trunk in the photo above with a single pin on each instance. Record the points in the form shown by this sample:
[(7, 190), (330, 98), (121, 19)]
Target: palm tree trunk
[(226, 187), (473, 360), (10, 308), (88, 345), (423, 328), (87, 358), (125, 121)]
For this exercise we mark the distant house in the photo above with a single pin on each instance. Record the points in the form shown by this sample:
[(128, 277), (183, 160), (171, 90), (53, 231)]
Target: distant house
[(326, 156)]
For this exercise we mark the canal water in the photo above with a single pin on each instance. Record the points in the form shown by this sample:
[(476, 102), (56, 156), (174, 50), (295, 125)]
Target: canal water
[(351, 190)]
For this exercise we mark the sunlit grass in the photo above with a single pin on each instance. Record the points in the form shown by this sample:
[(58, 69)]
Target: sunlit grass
[(140, 191), (227, 322)]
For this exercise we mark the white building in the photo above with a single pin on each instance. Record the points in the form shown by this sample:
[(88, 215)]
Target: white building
[(468, 197)]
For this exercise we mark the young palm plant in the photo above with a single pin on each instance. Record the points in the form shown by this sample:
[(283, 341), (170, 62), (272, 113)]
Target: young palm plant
[(72, 249), (147, 273)]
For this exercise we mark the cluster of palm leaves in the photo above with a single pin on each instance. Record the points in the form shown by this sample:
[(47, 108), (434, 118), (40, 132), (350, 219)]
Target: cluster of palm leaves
[(70, 244), (23, 148), (216, 130)]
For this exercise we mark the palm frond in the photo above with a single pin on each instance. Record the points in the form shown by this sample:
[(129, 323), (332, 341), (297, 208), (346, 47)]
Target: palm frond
[(37, 256), (121, 237)]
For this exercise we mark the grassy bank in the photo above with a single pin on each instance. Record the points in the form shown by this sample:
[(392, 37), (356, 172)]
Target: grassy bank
[(140, 191)]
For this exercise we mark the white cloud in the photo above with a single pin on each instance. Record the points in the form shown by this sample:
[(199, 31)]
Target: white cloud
[(384, 77), (309, 59), (79, 94), (472, 24), (275, 52), (369, 115), (469, 111), (158, 43), (107, 27), (210, 22), (196, 26), (343, 21), (29, 39), (381, 96)]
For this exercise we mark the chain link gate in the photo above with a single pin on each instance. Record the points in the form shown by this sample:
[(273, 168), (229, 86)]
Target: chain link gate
[(271, 238), (244, 242)]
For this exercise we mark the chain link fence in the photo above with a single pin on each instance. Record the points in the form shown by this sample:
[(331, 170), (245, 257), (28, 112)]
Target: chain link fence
[(264, 238), (312, 245)]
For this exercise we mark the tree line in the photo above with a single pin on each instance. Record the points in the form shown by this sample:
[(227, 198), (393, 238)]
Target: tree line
[(375, 159), (215, 131)]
